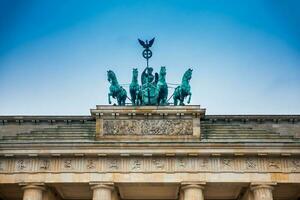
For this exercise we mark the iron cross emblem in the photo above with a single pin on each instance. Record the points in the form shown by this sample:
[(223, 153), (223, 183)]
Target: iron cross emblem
[(147, 53)]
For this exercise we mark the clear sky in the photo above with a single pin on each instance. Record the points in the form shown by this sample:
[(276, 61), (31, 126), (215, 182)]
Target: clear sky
[(54, 54)]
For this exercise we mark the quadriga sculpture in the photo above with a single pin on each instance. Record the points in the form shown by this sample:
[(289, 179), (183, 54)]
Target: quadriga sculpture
[(115, 90), (152, 91), (183, 90)]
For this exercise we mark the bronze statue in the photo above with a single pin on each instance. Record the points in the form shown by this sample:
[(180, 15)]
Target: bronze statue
[(153, 89), (116, 91)]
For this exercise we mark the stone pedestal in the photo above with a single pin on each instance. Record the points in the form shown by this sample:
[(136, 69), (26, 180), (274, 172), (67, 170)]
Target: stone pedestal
[(148, 122), (33, 192), (102, 191), (192, 191), (262, 191)]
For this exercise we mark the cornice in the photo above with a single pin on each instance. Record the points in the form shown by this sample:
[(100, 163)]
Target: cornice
[(284, 150), (252, 118), (4, 119), (209, 118)]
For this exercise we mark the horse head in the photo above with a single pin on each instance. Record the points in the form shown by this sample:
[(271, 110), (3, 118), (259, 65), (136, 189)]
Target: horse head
[(111, 76), (187, 75), (135, 72), (162, 71)]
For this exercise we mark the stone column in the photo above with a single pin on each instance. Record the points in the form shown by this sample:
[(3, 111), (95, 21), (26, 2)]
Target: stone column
[(102, 191), (193, 191), (33, 191), (262, 191), (248, 195)]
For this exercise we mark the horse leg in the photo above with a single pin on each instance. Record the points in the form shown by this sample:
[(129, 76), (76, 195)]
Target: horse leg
[(123, 100), (135, 97), (132, 95), (175, 100), (109, 95), (140, 98), (133, 100), (165, 99), (158, 100), (181, 101), (190, 96), (157, 94)]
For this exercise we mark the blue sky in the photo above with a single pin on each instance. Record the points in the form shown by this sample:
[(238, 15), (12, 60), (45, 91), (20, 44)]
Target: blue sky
[(54, 54)]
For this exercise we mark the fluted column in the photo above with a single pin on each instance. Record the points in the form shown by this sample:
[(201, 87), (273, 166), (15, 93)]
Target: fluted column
[(193, 191), (181, 197), (33, 192), (248, 195), (102, 191), (262, 191)]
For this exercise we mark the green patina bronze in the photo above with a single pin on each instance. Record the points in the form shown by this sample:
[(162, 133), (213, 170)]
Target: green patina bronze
[(153, 89), (183, 90), (135, 89), (161, 92), (115, 90)]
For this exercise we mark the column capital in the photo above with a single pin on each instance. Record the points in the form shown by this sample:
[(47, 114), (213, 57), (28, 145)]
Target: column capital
[(40, 186), (104, 185), (192, 184), (260, 185)]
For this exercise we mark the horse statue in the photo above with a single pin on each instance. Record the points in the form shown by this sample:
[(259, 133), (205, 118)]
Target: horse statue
[(115, 90), (135, 89), (183, 90), (162, 87)]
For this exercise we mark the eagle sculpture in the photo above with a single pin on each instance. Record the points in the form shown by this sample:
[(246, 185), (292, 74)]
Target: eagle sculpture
[(146, 44)]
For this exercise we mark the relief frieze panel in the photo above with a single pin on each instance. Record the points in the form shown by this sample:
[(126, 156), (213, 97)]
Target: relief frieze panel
[(150, 164), (293, 165), (250, 164), (148, 127)]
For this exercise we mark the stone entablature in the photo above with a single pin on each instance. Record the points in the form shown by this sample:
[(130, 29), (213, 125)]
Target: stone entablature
[(150, 164)]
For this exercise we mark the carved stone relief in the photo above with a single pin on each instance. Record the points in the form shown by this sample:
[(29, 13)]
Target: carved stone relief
[(136, 164), (113, 164), (68, 163), (148, 127), (21, 164), (150, 164), (45, 164), (227, 164), (294, 164), (90, 164), (274, 163), (251, 163)]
